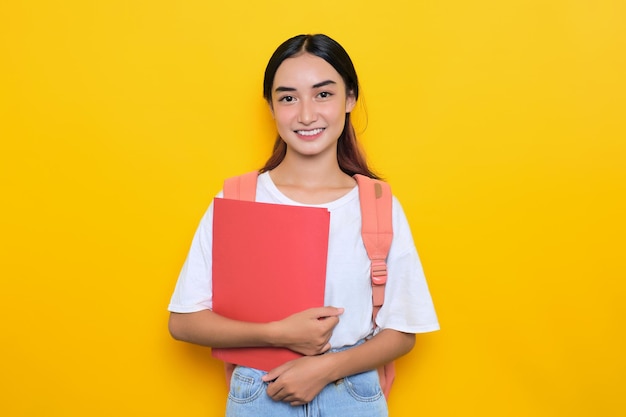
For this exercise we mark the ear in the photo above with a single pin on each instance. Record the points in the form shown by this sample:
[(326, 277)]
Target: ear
[(269, 104), (350, 102)]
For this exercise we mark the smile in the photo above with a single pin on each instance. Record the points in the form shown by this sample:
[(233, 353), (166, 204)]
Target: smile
[(309, 132)]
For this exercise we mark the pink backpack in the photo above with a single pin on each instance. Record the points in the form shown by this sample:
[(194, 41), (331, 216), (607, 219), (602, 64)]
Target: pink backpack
[(376, 230)]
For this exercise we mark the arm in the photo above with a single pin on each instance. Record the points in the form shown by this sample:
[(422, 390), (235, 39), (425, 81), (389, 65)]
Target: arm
[(306, 332), (299, 381)]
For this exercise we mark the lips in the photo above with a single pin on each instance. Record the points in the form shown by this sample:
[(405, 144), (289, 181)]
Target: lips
[(312, 132)]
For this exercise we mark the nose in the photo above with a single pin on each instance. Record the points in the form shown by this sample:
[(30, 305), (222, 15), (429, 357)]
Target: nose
[(307, 114)]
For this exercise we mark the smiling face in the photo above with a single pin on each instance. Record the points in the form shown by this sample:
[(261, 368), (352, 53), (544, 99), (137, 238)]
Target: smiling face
[(309, 104)]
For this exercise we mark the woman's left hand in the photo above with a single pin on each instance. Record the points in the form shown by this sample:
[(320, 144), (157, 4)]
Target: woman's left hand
[(299, 381)]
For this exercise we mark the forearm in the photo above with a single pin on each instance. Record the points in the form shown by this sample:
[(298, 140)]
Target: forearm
[(210, 329), (306, 332), (300, 380), (385, 347)]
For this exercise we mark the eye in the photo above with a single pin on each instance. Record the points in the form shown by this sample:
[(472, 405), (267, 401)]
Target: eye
[(325, 94), (287, 99)]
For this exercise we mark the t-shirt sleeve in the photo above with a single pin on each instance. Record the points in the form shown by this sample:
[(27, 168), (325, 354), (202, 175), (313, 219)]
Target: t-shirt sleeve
[(193, 291), (408, 305)]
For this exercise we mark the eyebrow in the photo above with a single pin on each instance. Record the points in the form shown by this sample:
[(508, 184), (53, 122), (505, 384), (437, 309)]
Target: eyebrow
[(318, 85)]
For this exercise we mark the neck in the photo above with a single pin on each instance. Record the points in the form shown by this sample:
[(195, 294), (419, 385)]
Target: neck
[(311, 172)]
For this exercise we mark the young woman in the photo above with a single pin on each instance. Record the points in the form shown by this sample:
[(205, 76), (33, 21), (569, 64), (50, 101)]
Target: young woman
[(311, 88)]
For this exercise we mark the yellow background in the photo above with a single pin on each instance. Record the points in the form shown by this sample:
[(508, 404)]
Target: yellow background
[(500, 125)]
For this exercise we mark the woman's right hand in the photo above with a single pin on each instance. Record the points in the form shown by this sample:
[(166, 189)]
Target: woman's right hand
[(308, 331)]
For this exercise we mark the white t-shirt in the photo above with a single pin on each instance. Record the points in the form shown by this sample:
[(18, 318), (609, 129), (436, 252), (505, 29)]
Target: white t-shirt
[(408, 305)]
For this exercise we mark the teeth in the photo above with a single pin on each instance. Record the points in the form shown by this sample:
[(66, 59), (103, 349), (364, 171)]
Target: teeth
[(309, 132)]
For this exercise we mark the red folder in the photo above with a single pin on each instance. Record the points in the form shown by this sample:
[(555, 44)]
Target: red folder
[(269, 261)]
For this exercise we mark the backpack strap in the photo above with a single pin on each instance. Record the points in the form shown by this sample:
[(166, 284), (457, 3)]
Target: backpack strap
[(377, 232), (241, 187)]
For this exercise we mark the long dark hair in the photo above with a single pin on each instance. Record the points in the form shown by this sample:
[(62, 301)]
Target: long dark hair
[(349, 155)]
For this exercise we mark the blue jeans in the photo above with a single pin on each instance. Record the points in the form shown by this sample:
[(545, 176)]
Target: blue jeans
[(358, 395)]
